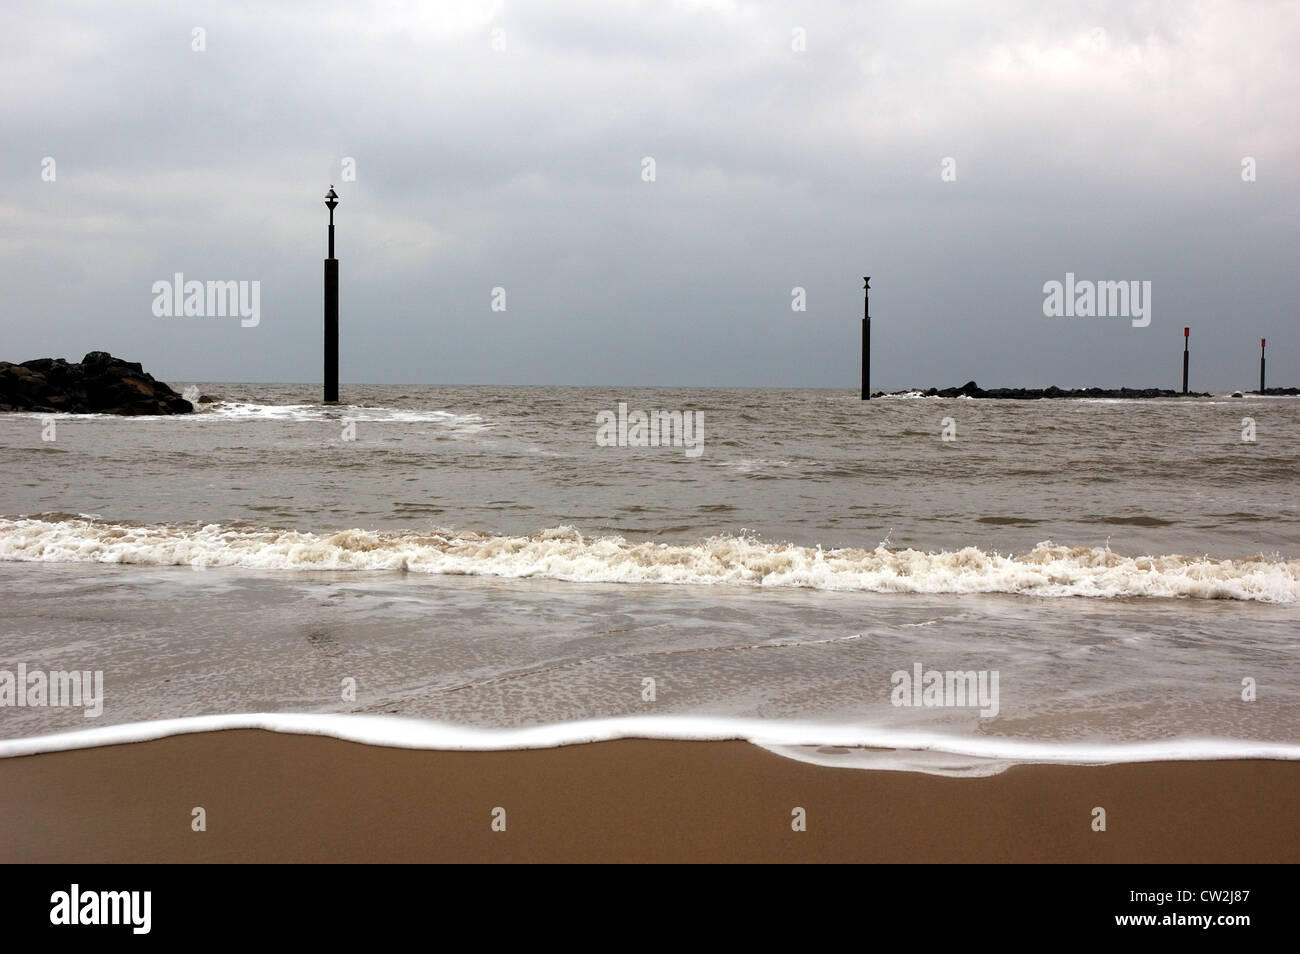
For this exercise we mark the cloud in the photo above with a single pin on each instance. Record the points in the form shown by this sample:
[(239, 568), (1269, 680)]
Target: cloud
[(503, 145)]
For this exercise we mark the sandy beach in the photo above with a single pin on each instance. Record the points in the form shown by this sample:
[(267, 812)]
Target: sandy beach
[(271, 797)]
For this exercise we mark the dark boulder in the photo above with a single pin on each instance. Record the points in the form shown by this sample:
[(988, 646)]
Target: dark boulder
[(100, 384), (969, 389)]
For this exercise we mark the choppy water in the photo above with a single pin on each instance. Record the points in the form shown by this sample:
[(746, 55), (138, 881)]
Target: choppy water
[(473, 557)]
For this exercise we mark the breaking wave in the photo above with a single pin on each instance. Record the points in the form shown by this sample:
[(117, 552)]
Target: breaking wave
[(241, 410), (563, 553)]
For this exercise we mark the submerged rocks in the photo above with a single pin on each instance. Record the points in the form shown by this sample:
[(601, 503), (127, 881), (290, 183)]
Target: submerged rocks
[(100, 384)]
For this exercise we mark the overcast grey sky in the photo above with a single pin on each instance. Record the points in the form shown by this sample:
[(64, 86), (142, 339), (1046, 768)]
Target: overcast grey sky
[(502, 145)]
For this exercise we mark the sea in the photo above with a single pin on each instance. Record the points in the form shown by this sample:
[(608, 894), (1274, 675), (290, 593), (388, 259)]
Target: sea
[(942, 585)]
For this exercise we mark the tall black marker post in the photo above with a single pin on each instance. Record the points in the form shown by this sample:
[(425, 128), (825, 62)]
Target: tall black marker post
[(1262, 342), (331, 310), (866, 338), (1186, 334)]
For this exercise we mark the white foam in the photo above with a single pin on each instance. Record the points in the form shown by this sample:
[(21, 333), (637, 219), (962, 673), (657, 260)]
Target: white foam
[(926, 761), (562, 553), (907, 751), (240, 410)]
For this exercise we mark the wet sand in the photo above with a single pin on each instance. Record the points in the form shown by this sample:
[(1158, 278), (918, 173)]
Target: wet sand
[(284, 798)]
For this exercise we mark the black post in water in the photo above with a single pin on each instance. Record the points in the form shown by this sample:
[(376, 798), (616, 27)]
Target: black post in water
[(331, 311), (1262, 342), (866, 338), (1186, 333)]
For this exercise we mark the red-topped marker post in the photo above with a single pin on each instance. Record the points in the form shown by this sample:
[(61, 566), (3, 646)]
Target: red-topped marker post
[(1186, 334)]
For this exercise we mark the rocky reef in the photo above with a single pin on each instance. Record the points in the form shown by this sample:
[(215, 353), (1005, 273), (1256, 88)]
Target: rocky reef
[(971, 389), (99, 384)]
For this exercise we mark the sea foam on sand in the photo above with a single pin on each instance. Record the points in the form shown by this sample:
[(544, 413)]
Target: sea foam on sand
[(879, 748)]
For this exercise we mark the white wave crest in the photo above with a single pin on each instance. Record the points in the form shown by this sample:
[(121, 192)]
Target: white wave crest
[(562, 553), (240, 410)]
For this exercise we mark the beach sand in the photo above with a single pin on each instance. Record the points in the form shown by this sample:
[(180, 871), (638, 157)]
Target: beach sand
[(284, 798)]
